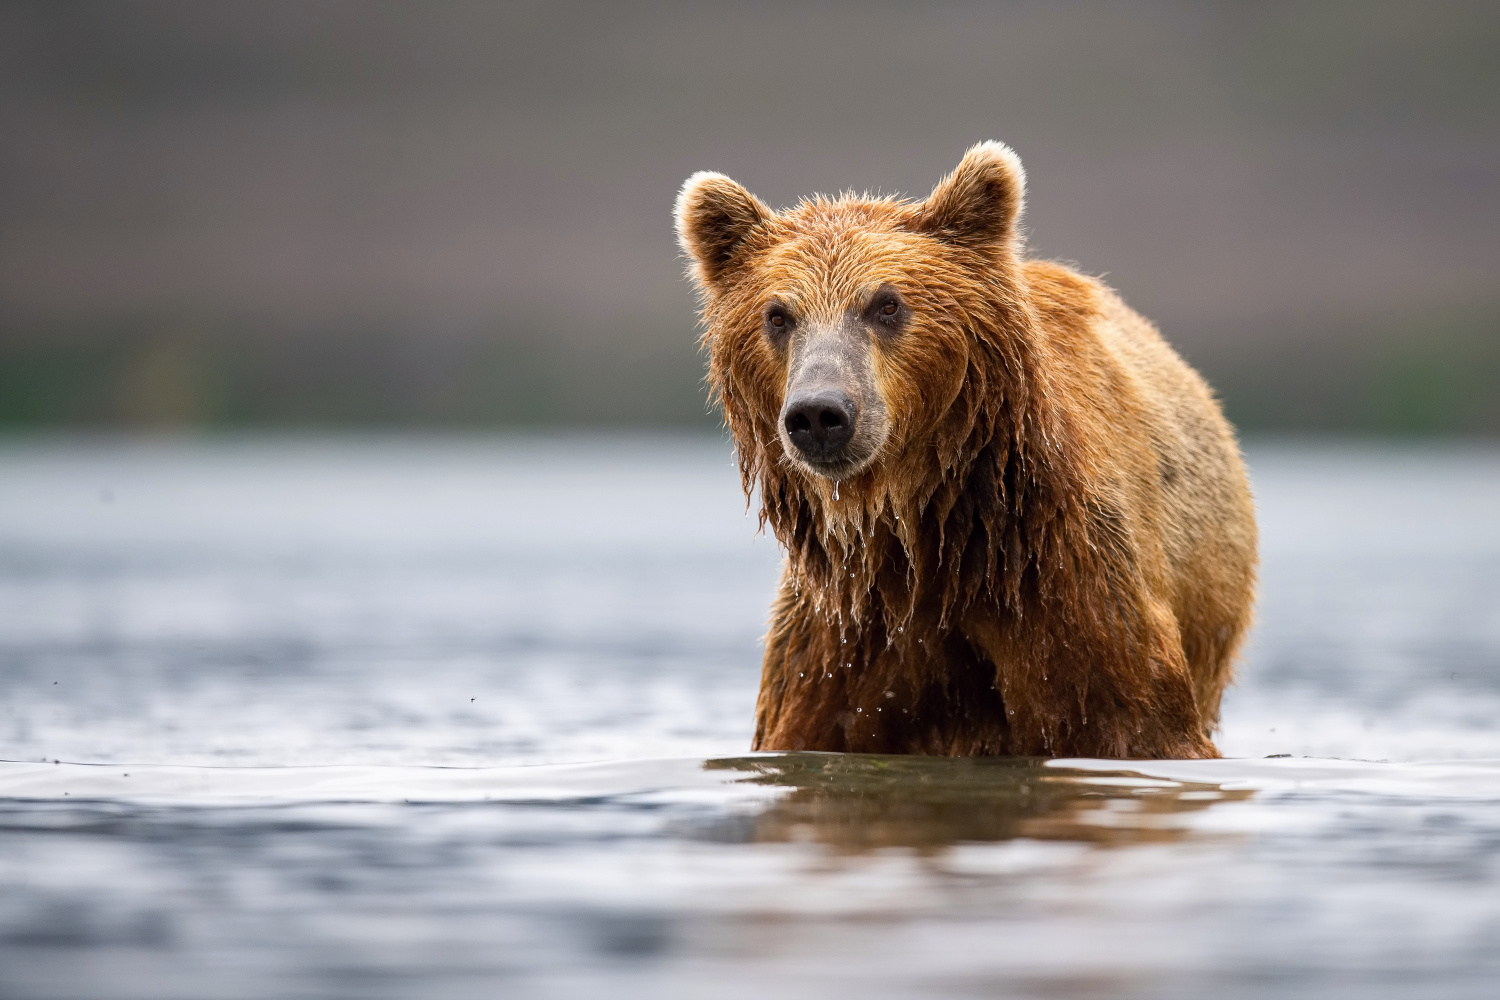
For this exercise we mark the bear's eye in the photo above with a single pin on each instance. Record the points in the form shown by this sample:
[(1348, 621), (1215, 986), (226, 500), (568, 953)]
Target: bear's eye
[(778, 322), (886, 308)]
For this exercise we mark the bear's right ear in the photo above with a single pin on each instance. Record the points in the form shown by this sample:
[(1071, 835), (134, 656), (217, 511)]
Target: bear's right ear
[(714, 216), (979, 204)]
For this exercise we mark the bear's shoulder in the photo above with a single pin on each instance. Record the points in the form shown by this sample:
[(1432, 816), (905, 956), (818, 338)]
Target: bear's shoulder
[(1060, 294), (1068, 306)]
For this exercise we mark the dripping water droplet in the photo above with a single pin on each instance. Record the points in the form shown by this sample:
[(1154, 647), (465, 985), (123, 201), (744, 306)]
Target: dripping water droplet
[(835, 489)]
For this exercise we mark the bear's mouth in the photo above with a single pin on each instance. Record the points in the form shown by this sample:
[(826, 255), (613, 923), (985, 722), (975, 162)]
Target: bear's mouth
[(836, 471)]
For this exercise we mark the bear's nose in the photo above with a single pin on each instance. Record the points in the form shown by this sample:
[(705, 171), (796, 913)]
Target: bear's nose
[(819, 423)]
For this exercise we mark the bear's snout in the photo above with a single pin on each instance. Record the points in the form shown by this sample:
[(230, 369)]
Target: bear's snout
[(820, 424), (833, 419)]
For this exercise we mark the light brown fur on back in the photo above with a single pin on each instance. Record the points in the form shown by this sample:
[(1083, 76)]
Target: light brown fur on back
[(1037, 537)]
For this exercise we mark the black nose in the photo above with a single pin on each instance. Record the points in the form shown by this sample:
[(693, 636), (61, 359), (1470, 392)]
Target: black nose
[(819, 423)]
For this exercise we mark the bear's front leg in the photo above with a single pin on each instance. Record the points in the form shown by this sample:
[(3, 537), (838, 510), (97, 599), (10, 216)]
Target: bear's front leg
[(859, 689), (803, 697)]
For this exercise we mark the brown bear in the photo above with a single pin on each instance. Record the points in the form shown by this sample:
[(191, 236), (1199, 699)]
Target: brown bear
[(1015, 521)]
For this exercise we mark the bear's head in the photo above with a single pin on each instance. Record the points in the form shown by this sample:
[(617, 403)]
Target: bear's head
[(841, 333)]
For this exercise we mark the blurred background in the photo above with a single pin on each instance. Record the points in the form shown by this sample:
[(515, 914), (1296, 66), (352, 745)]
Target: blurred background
[(332, 228), (323, 214)]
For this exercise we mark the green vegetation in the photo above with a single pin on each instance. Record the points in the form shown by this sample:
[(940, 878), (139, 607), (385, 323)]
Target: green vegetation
[(1434, 373), (140, 377)]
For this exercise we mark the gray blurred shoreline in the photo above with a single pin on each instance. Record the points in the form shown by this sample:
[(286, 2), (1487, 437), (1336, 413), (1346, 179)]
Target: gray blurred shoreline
[(340, 215)]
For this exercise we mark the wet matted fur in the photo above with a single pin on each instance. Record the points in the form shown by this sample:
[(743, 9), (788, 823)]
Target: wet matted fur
[(1043, 543)]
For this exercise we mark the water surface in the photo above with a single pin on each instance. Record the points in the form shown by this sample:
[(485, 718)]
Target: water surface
[(450, 718)]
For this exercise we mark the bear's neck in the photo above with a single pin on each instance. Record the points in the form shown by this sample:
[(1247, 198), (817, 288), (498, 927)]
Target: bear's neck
[(992, 491)]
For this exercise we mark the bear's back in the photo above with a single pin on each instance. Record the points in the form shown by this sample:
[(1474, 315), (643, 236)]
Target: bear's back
[(1149, 403)]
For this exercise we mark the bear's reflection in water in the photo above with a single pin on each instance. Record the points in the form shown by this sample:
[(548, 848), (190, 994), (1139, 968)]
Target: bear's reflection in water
[(863, 802)]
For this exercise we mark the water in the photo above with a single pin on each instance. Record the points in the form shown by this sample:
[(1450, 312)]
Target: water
[(467, 718)]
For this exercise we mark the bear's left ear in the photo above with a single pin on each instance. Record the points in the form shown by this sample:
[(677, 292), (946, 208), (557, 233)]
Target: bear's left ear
[(979, 204), (714, 217)]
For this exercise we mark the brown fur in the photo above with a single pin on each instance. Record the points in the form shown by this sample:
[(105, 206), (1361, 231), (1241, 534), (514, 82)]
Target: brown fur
[(1053, 549)]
